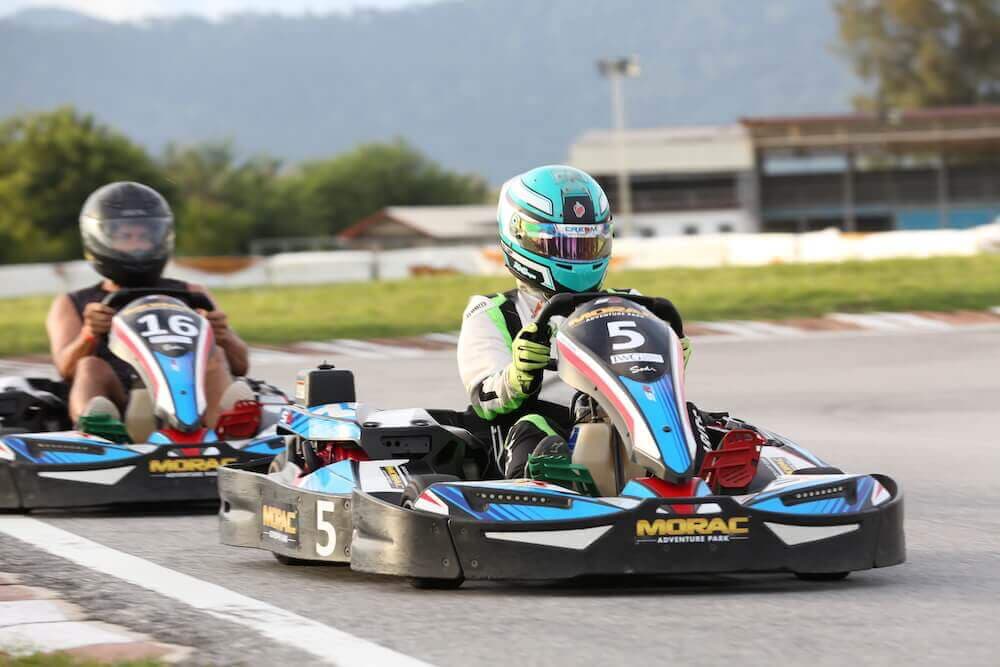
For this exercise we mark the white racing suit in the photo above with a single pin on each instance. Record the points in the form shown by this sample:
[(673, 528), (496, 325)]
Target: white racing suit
[(489, 326)]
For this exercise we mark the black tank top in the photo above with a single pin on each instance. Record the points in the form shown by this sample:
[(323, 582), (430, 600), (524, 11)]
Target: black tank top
[(95, 293)]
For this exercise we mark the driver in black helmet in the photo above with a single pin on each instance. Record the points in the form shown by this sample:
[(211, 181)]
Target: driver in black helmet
[(128, 236)]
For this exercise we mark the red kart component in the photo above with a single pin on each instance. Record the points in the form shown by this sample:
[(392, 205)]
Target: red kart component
[(665, 489), (332, 452), (733, 465), (240, 423)]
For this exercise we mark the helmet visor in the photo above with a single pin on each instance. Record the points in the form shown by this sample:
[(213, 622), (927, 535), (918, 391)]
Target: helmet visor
[(131, 239), (577, 243)]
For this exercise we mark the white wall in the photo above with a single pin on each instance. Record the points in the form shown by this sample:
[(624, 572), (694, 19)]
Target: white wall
[(705, 250)]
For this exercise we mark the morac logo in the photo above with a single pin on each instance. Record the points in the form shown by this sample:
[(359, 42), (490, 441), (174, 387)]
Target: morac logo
[(280, 523), (188, 467), (692, 529)]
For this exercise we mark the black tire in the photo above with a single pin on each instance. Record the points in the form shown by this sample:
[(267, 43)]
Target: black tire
[(819, 470), (418, 484), (822, 576), (294, 562), (429, 584)]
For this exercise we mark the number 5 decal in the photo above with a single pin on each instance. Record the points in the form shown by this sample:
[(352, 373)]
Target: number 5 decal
[(324, 526), (623, 329)]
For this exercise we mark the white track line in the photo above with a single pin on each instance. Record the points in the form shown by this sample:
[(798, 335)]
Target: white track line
[(324, 642)]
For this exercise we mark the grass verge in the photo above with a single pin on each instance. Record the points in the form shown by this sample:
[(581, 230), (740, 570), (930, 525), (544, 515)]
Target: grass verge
[(420, 305)]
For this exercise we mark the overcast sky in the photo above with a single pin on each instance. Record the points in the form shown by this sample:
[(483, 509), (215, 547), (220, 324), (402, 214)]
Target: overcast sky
[(119, 10)]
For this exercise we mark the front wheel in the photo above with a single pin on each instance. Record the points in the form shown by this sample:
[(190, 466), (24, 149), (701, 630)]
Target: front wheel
[(822, 576), (294, 562), (432, 584)]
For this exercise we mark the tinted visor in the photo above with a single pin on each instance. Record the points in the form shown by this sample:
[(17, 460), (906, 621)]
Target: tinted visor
[(579, 243), (131, 239)]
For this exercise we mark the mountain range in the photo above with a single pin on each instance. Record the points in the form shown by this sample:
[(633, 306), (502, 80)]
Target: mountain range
[(489, 86)]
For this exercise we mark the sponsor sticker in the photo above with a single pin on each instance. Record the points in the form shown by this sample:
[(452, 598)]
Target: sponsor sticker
[(692, 530), (200, 466), (280, 523), (394, 477), (607, 311), (783, 464), (636, 357)]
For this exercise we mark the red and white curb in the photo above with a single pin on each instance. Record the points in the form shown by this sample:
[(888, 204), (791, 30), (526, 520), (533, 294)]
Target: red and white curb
[(416, 347), (33, 620)]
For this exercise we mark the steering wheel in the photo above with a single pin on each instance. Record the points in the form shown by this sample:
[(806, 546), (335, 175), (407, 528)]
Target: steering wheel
[(561, 305), (125, 296)]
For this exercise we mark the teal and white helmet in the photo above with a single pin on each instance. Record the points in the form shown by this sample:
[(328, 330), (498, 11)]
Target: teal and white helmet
[(555, 229)]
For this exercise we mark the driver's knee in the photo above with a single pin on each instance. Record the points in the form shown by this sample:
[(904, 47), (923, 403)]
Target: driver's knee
[(521, 440), (93, 368)]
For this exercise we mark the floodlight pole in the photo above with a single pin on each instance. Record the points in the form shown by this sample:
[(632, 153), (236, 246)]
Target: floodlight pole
[(615, 70)]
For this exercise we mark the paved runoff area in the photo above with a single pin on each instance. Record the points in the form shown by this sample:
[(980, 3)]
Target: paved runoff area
[(915, 399)]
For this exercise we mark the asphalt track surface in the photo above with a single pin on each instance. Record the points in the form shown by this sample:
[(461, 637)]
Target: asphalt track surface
[(921, 407)]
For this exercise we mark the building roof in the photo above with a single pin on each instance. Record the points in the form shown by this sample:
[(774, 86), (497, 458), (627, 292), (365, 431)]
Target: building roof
[(915, 129), (664, 150), (439, 222)]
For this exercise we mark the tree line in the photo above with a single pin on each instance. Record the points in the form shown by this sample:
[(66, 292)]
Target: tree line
[(51, 161)]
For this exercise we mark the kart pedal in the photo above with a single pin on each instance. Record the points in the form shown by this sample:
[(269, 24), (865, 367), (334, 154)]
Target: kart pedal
[(104, 426), (733, 465)]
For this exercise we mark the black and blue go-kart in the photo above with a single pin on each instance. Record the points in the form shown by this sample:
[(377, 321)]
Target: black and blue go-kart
[(654, 486), (161, 452)]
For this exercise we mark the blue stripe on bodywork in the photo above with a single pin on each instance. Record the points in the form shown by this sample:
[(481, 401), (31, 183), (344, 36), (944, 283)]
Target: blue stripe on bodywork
[(579, 508), (335, 478), (179, 374), (659, 413), (48, 457), (840, 505)]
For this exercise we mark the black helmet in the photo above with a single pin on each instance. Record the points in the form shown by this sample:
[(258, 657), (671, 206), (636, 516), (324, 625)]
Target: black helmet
[(128, 233)]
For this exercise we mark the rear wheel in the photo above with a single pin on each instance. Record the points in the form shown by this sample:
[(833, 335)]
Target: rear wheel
[(819, 470), (822, 576), (418, 484)]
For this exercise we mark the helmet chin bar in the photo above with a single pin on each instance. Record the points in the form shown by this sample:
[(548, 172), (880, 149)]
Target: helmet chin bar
[(136, 274)]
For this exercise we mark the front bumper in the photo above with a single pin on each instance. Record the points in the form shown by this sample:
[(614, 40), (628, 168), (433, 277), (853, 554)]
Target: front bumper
[(648, 539), (260, 511), (152, 477)]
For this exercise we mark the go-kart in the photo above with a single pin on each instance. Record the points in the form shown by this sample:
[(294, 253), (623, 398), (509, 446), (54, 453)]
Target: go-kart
[(161, 452), (652, 486)]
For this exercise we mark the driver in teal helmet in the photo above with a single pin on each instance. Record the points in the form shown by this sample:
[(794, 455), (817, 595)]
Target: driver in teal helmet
[(556, 236)]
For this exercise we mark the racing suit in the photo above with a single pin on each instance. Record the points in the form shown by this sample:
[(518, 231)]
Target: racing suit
[(489, 325)]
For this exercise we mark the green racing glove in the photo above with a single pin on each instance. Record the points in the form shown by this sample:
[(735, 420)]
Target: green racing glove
[(686, 347), (530, 359)]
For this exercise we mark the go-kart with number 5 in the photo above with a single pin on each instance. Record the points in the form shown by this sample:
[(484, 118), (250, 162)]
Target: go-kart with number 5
[(647, 484)]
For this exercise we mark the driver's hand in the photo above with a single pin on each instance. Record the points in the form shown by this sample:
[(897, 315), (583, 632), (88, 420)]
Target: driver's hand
[(97, 319), (530, 359), (220, 324)]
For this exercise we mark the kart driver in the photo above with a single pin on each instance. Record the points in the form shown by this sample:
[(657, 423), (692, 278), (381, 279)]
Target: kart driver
[(128, 236), (555, 233)]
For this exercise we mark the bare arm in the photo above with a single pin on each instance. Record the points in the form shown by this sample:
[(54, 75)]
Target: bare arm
[(72, 338), (237, 353)]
